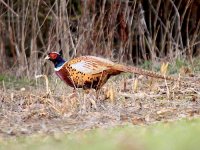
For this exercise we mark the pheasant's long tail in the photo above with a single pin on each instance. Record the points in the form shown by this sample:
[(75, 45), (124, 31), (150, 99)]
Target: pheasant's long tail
[(142, 72)]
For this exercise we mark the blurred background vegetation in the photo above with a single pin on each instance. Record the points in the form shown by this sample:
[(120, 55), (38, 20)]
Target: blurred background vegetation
[(128, 31)]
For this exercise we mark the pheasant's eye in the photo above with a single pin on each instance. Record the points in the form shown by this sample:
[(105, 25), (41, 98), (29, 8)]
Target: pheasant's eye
[(53, 55)]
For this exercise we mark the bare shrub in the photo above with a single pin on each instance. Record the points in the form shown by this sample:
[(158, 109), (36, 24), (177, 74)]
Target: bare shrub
[(126, 31)]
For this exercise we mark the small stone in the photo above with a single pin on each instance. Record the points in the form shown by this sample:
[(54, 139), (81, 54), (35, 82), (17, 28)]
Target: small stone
[(22, 89)]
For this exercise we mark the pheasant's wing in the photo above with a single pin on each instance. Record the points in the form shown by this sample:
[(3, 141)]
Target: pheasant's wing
[(91, 65)]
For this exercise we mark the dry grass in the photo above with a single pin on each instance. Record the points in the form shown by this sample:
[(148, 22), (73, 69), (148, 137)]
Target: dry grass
[(30, 110)]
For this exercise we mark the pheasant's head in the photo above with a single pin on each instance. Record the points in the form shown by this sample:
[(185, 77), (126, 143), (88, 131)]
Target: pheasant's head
[(56, 58)]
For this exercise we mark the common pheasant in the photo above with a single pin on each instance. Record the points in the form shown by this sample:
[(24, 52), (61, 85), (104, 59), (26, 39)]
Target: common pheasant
[(92, 72)]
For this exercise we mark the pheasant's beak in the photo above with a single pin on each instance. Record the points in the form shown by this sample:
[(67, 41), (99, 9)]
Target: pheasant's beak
[(47, 57)]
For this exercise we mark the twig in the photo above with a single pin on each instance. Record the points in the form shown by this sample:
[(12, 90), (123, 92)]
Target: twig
[(48, 91), (9, 8)]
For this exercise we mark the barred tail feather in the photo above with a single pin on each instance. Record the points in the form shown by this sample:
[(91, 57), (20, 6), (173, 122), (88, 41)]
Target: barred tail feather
[(140, 71)]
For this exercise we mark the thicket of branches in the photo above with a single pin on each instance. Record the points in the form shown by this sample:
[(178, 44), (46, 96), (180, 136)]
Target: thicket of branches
[(128, 31)]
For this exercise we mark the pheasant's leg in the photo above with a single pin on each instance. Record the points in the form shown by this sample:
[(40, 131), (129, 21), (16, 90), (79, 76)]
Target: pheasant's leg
[(89, 97), (84, 99), (73, 94), (97, 94)]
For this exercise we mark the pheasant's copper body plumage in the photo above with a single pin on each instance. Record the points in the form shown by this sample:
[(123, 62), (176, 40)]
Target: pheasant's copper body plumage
[(92, 72)]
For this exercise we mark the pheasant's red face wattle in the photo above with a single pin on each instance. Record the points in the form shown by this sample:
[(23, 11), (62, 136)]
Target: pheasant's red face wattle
[(53, 56)]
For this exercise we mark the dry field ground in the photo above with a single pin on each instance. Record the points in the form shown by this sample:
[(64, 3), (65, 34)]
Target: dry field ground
[(26, 109)]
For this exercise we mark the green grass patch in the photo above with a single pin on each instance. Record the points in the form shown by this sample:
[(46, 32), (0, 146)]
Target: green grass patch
[(173, 68), (179, 135), (15, 82)]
